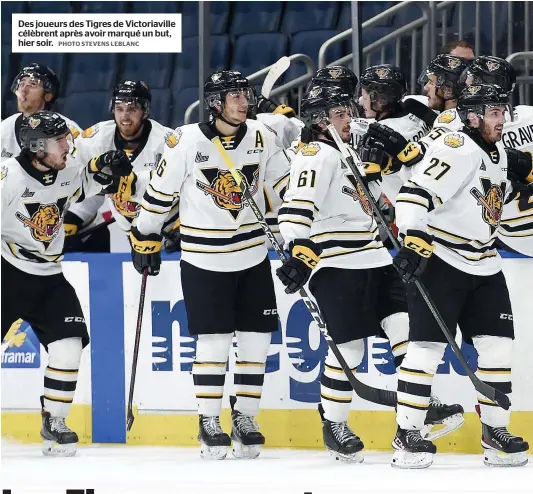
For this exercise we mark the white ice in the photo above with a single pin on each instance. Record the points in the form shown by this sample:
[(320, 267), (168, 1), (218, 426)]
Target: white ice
[(162, 470)]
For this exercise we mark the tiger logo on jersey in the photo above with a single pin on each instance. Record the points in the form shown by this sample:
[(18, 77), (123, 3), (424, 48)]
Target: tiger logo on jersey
[(491, 201), (45, 221), (357, 194), (225, 191), (129, 209)]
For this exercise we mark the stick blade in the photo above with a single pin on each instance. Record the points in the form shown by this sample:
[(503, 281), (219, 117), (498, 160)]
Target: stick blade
[(131, 419), (274, 74)]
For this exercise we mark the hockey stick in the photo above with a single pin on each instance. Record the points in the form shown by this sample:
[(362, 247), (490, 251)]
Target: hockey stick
[(380, 396), (131, 418), (481, 387), (273, 75)]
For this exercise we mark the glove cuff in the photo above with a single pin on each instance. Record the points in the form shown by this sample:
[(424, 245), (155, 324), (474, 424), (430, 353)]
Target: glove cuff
[(306, 251), (145, 244), (419, 241), (409, 154)]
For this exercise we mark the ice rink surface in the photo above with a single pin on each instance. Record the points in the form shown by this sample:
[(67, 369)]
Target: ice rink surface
[(160, 470)]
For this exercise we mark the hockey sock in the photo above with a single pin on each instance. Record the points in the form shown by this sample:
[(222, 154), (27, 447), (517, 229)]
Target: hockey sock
[(335, 389), (396, 327), (414, 382), (209, 371), (252, 351), (61, 375), (494, 368)]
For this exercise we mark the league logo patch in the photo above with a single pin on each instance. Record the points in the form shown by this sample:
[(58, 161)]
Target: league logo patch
[(224, 190), (454, 140), (44, 221), (90, 132), (4, 172), (24, 350), (491, 202), (357, 194)]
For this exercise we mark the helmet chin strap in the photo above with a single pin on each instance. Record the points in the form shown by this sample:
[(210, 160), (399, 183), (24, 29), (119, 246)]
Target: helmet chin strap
[(221, 117)]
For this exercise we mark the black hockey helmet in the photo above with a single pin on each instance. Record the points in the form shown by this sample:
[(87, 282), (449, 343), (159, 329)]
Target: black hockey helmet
[(41, 73), (447, 69), (338, 75), (136, 92), (318, 100), (489, 70), (385, 84), (36, 129), (219, 84), (476, 98)]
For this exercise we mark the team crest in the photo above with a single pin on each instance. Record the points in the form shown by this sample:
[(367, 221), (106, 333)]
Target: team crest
[(491, 202), (446, 116), (224, 190), (454, 140), (357, 194), (129, 209), (453, 63), (492, 66), (34, 122), (473, 89), (334, 73), (383, 72), (315, 92), (216, 77), (4, 172), (310, 149), (171, 139), (44, 220)]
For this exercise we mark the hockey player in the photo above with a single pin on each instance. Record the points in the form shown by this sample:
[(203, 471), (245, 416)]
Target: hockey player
[(448, 215), (36, 88), (382, 88), (329, 229), (140, 137), (37, 188), (225, 271)]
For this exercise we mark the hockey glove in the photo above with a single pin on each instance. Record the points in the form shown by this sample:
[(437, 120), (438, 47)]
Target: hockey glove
[(519, 166), (306, 135), (172, 242), (296, 270), (265, 105), (108, 165), (376, 161), (403, 152), (124, 187), (284, 110), (72, 224), (413, 257), (145, 251)]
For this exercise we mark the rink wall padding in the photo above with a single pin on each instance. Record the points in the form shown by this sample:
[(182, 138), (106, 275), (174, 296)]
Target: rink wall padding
[(165, 406)]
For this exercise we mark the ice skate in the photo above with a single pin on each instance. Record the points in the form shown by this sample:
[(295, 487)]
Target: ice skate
[(503, 449), (450, 417), (412, 451), (340, 440), (247, 440), (58, 439), (214, 442)]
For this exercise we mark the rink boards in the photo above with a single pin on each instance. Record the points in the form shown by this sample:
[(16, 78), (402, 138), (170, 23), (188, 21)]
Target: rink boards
[(108, 288)]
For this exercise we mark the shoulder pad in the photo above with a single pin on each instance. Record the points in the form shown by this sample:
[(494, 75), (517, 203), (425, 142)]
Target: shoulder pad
[(172, 138), (447, 116), (310, 149), (454, 140), (90, 132)]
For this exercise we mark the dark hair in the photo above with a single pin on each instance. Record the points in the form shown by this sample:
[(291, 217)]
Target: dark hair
[(461, 43)]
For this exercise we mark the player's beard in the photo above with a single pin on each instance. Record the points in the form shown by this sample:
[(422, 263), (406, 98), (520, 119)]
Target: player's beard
[(490, 134), (129, 131)]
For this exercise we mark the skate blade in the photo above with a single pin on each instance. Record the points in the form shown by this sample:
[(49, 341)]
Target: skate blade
[(51, 448), (495, 458), (404, 459), (449, 424), (347, 458), (213, 452), (243, 451)]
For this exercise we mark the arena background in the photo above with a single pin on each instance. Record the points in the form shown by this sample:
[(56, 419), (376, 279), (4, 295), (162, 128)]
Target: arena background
[(248, 36)]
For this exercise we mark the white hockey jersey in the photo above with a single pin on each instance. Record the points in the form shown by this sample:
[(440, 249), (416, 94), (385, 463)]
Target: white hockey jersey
[(287, 129), (103, 137), (33, 206), (516, 227), (325, 203), (219, 231), (457, 195), (10, 128)]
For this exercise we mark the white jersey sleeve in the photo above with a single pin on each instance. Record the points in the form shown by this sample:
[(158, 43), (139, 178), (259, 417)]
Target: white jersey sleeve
[(287, 129)]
